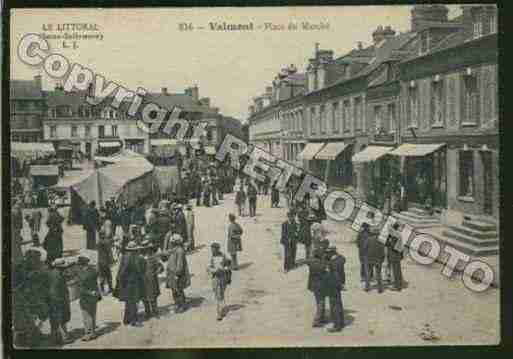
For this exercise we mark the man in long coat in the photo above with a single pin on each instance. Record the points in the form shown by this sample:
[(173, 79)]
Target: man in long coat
[(394, 257), (316, 277), (234, 243), (105, 260), (177, 276), (180, 222), (89, 295), (362, 241), (305, 235), (130, 283), (124, 217), (289, 237), (190, 221), (151, 280), (90, 221), (53, 243), (252, 199), (376, 257), (335, 281), (59, 304)]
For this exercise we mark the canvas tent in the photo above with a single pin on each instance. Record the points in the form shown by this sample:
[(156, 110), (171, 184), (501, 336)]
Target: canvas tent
[(130, 179)]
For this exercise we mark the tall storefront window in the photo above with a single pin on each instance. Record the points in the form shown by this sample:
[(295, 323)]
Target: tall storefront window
[(471, 99), (467, 173), (437, 104), (334, 118), (358, 113), (312, 121), (322, 119), (413, 106), (391, 118), (347, 116)]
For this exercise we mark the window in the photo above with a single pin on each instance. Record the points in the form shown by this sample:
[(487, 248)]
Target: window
[(493, 23), (413, 107), (73, 131), (478, 28), (467, 173), (87, 130), (424, 42), (470, 100), (378, 119), (322, 119), (53, 131), (358, 113), (113, 114), (346, 117), (101, 131), (437, 104), (334, 117), (312, 120), (391, 117), (63, 111), (300, 120), (115, 130)]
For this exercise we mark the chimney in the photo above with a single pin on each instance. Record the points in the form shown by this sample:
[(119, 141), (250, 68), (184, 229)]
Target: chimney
[(420, 14), (205, 101), (378, 35), (164, 91), (195, 92), (38, 81), (388, 32)]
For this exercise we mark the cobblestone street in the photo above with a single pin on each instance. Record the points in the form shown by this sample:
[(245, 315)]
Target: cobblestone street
[(270, 308)]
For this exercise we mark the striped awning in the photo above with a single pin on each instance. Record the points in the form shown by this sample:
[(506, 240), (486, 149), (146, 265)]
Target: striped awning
[(44, 170), (163, 142), (370, 153), (331, 151), (310, 150), (416, 150)]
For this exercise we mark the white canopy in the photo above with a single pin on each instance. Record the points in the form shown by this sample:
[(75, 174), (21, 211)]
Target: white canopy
[(31, 150), (310, 150), (331, 151), (370, 153), (416, 150)]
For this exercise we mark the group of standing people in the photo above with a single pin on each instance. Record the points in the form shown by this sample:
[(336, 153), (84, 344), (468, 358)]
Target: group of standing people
[(246, 197)]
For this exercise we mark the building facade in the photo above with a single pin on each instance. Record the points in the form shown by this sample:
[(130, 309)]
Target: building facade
[(27, 106)]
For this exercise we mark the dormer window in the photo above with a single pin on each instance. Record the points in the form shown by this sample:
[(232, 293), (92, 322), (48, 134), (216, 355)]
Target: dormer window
[(424, 43), (478, 28)]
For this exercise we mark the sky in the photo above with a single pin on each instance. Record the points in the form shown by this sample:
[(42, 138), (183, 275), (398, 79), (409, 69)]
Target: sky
[(145, 48)]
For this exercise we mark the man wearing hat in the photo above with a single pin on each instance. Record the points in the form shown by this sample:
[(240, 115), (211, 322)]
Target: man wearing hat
[(105, 260), (305, 235), (376, 257), (151, 281), (59, 304), (89, 295), (53, 242), (219, 270), (395, 255), (191, 224), (234, 243), (289, 237), (316, 279), (177, 276), (180, 222), (130, 283), (334, 282), (90, 221)]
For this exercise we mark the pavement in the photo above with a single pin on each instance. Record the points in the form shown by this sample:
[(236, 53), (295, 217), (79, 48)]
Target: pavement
[(270, 308)]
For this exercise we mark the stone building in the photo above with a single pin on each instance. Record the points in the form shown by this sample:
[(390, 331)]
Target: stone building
[(449, 101), (26, 110)]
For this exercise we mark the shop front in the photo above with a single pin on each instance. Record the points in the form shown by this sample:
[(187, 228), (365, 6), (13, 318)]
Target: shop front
[(108, 148), (307, 156), (335, 165), (424, 174)]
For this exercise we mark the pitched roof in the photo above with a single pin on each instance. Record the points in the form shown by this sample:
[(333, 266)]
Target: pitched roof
[(25, 89)]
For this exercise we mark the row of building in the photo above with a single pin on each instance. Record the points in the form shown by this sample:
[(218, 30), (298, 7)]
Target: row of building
[(61, 117), (413, 114)]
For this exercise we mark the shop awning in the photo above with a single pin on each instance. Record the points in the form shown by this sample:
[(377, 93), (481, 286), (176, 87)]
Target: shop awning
[(416, 150), (310, 150), (370, 153), (210, 150), (111, 144), (44, 170), (163, 142), (29, 151), (331, 151)]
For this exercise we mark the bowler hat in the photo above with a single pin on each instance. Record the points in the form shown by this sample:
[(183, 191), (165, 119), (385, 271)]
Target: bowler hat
[(131, 246), (215, 245)]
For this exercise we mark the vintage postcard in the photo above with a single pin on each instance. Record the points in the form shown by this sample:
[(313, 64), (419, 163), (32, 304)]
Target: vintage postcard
[(254, 177)]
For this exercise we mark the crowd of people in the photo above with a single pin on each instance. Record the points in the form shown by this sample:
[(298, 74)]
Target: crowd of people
[(148, 243)]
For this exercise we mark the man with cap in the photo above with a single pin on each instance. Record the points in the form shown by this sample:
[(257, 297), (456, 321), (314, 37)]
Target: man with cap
[(219, 270), (234, 242), (376, 256), (151, 280), (105, 260), (191, 224), (89, 295), (60, 312), (316, 278), (90, 221), (362, 241), (335, 282), (130, 283), (177, 276), (289, 237)]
